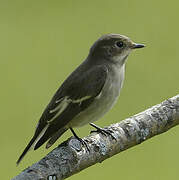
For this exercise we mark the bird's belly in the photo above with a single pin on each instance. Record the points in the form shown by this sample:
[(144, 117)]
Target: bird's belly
[(102, 104)]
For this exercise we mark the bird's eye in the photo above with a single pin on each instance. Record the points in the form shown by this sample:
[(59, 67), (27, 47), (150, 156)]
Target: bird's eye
[(119, 44)]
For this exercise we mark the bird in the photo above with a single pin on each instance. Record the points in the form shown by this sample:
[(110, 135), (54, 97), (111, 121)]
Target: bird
[(89, 92)]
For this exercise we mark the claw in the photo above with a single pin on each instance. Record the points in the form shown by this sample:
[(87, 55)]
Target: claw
[(103, 131), (83, 142)]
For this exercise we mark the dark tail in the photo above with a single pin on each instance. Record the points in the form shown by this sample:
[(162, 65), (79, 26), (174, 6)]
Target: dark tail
[(54, 138), (40, 138), (38, 135), (26, 150), (49, 134)]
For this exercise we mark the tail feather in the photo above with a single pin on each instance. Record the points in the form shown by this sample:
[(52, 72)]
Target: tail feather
[(41, 141), (54, 138), (49, 134), (36, 138), (28, 147), (41, 137)]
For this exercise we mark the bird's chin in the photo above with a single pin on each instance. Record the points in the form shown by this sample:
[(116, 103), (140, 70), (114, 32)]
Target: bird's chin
[(120, 59), (124, 59)]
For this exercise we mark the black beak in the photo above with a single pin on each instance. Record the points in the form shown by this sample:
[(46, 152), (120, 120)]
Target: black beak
[(135, 46)]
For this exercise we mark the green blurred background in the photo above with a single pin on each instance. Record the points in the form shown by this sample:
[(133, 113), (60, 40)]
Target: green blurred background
[(42, 41)]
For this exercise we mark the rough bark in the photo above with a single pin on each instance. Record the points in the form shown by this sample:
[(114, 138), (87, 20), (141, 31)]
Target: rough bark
[(71, 156)]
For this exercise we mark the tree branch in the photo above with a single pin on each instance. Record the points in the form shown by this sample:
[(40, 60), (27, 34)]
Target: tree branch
[(71, 156)]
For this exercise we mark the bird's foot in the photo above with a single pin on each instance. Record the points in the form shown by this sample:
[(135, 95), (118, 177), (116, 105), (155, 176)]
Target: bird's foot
[(83, 142), (103, 131)]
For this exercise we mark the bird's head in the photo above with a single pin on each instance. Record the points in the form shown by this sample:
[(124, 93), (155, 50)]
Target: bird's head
[(114, 47)]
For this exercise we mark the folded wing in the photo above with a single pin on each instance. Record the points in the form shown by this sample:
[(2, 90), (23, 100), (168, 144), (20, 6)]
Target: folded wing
[(74, 96)]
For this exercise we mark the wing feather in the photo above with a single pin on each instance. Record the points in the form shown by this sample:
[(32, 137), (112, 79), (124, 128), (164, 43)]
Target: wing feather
[(74, 96), (77, 89)]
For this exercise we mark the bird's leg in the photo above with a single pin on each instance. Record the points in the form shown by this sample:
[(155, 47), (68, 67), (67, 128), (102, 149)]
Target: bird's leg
[(80, 139), (102, 130)]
